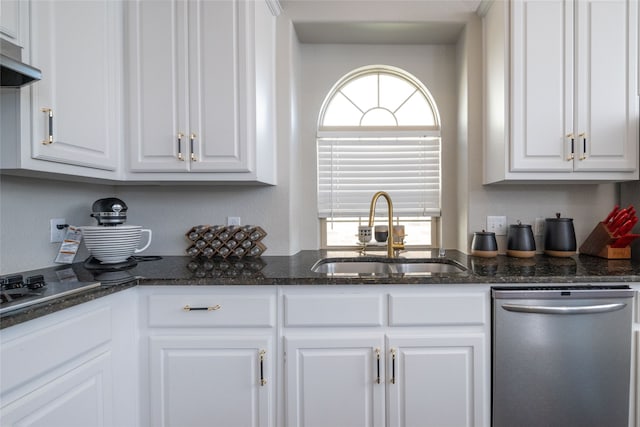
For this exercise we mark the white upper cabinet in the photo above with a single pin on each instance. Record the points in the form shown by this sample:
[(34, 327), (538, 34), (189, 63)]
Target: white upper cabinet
[(13, 20), (561, 82), (77, 106), (69, 122), (201, 90)]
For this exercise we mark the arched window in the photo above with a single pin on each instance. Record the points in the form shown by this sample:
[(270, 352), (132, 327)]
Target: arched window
[(379, 130)]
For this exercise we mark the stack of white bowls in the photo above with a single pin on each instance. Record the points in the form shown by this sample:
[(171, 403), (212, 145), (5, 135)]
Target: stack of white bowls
[(114, 244)]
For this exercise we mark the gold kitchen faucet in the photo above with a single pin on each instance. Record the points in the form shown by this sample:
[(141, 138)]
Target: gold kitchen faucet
[(391, 246)]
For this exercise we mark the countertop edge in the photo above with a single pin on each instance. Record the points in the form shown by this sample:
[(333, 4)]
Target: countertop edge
[(295, 270)]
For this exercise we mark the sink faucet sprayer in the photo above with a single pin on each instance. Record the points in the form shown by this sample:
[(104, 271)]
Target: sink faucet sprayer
[(391, 246)]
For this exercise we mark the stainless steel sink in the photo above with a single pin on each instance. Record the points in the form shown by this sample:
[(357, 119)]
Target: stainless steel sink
[(429, 267), (374, 266), (350, 267)]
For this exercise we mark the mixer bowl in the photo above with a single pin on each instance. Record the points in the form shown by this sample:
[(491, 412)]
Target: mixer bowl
[(111, 245)]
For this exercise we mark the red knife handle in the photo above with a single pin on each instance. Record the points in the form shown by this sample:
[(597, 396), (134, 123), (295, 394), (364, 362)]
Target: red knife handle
[(611, 214), (624, 228), (617, 223)]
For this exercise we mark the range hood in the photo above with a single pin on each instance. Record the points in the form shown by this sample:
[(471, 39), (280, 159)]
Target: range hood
[(14, 72)]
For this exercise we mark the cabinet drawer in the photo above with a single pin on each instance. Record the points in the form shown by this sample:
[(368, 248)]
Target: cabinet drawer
[(333, 310), (201, 310), (438, 309), (40, 350)]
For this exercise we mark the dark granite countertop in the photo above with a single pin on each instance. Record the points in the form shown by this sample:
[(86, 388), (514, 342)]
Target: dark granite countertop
[(296, 270)]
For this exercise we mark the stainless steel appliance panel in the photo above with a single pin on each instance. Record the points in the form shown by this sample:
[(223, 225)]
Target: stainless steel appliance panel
[(561, 358)]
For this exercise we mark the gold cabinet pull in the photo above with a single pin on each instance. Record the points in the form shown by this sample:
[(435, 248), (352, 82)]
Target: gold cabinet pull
[(572, 140), (263, 381), (49, 113), (180, 136), (377, 350), (211, 308), (584, 145), (393, 366), (192, 137)]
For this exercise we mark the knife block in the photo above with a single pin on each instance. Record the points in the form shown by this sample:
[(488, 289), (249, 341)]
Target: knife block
[(598, 243)]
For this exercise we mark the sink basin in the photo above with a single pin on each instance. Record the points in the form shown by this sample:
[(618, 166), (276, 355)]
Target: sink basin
[(429, 267), (373, 266)]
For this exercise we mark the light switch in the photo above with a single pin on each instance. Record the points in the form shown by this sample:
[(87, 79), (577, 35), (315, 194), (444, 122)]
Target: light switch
[(497, 224)]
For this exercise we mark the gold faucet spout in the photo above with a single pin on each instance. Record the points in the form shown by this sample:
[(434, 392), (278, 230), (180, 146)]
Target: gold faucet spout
[(391, 246)]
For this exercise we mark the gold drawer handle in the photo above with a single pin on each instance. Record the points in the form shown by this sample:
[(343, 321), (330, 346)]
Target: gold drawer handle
[(377, 351), (393, 366), (572, 139), (192, 138), (213, 308), (584, 145), (180, 136), (49, 138), (263, 380)]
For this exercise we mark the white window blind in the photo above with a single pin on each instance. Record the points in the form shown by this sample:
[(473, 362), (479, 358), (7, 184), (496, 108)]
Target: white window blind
[(352, 170)]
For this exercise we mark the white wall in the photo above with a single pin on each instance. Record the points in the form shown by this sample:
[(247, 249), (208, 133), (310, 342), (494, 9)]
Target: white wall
[(27, 204), (322, 65)]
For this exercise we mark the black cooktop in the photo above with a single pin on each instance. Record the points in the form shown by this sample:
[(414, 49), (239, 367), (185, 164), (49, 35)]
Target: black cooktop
[(17, 293)]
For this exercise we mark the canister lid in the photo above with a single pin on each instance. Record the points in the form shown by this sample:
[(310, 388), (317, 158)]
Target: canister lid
[(558, 219)]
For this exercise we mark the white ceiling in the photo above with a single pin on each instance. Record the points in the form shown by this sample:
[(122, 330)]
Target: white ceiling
[(379, 21)]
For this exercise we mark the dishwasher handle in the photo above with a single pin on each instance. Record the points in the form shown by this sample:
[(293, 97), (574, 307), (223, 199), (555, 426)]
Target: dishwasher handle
[(545, 309)]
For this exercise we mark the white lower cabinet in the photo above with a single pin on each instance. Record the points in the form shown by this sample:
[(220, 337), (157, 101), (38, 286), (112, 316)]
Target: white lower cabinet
[(210, 356), (359, 357), (210, 380), (335, 380), (79, 397), (435, 380), (71, 368)]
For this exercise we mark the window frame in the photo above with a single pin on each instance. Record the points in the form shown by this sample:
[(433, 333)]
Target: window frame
[(435, 235), (434, 130)]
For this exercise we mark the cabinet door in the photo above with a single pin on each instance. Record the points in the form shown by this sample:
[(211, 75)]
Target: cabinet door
[(158, 133), (187, 62), (13, 17), (77, 45), (211, 380), (219, 39), (606, 96), (542, 85), (334, 381), (79, 398), (436, 380)]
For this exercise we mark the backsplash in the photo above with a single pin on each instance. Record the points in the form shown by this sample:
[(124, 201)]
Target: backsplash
[(28, 203)]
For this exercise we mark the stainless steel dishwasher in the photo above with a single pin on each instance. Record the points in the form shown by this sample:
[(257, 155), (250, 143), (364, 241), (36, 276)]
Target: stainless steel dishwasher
[(561, 356)]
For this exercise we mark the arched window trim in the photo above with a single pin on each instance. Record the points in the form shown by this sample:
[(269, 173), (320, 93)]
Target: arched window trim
[(433, 130)]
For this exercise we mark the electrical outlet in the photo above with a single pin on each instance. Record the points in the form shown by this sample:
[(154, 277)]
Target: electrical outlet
[(233, 220), (497, 224), (57, 235), (538, 228)]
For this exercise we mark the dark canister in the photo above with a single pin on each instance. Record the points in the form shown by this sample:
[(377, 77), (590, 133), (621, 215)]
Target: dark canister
[(484, 244), (520, 241), (559, 237)]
